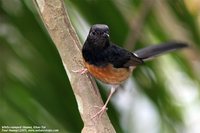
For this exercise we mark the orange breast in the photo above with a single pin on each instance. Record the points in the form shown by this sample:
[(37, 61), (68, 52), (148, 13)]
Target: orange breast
[(109, 74)]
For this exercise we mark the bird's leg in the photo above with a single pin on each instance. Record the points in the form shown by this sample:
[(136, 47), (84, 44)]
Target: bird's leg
[(81, 71), (104, 108)]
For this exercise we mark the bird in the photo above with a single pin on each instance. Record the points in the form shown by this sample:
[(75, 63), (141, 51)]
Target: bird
[(112, 64)]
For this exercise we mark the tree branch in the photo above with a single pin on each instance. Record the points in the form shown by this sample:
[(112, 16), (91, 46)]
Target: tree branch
[(57, 23)]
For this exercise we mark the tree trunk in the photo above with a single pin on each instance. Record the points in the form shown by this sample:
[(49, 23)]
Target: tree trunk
[(57, 22)]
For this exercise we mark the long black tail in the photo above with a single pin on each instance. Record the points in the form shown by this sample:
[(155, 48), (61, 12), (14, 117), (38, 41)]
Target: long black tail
[(155, 50)]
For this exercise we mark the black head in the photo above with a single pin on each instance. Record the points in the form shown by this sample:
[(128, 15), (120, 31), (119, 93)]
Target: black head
[(98, 35)]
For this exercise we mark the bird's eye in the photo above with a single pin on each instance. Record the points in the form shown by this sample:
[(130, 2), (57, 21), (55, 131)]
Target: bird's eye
[(93, 33)]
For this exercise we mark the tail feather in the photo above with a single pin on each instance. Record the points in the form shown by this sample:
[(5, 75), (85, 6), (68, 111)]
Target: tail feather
[(155, 50)]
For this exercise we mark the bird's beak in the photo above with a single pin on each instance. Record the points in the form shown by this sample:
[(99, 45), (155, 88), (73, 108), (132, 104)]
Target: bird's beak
[(106, 35)]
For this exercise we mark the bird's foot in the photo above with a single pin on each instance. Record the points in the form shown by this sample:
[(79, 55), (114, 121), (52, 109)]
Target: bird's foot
[(100, 112), (81, 71)]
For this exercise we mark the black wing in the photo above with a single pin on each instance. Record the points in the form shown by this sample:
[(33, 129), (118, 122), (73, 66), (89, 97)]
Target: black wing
[(121, 58)]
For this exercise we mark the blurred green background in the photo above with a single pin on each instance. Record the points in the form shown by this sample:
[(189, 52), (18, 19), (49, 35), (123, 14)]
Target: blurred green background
[(162, 96)]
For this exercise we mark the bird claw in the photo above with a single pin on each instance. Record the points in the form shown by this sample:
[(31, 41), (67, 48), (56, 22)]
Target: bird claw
[(81, 71), (100, 107), (100, 112), (104, 108)]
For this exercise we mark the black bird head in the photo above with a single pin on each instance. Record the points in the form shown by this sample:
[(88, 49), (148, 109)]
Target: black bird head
[(98, 36)]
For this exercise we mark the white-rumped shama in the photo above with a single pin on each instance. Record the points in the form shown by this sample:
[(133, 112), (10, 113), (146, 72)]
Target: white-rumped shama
[(112, 64)]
